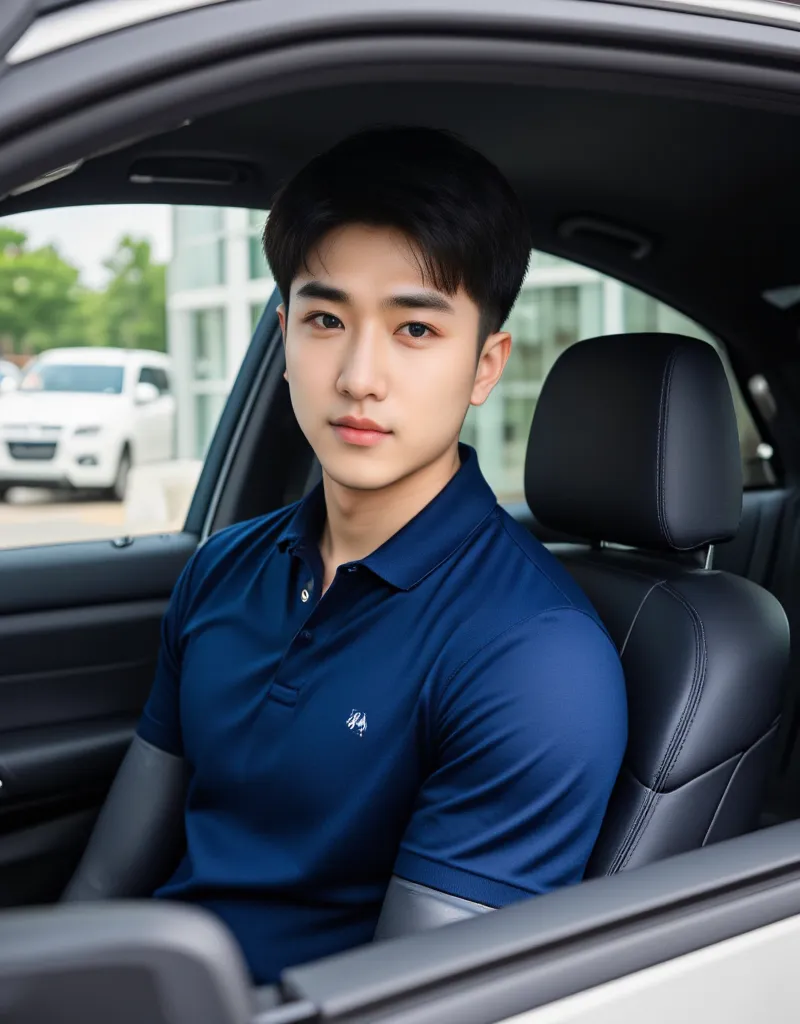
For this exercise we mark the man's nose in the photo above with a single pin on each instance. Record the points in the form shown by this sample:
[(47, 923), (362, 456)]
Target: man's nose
[(363, 373)]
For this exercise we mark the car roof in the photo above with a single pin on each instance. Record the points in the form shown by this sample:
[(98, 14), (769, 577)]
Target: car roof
[(94, 355), (56, 24), (771, 12)]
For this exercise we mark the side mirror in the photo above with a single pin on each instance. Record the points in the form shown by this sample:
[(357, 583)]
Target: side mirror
[(145, 393)]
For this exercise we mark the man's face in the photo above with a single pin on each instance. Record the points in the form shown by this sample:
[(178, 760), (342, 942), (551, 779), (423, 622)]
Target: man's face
[(381, 367)]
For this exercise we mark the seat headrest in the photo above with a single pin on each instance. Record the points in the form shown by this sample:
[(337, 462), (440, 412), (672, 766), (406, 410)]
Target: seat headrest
[(634, 441)]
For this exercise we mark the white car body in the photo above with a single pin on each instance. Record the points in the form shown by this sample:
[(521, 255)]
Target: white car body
[(78, 438)]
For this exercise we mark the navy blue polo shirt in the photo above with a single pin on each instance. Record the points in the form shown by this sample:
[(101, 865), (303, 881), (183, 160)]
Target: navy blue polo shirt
[(450, 710)]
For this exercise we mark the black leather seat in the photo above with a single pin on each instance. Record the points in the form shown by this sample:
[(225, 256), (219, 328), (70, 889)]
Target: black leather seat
[(634, 450)]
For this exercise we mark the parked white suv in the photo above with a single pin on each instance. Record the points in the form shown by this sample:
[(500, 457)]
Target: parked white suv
[(82, 417)]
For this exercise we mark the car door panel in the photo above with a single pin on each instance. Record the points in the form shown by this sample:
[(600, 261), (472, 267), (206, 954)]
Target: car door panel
[(93, 573), (748, 975), (80, 631), (79, 637), (62, 758), (550, 947)]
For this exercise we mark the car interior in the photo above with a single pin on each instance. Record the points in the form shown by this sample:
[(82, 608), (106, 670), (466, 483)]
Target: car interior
[(632, 473)]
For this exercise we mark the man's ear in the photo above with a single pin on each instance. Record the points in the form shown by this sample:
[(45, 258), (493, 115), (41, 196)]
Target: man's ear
[(282, 322), (491, 363)]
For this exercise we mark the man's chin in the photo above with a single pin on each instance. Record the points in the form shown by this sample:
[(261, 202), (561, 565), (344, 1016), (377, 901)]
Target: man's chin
[(363, 478), (360, 470)]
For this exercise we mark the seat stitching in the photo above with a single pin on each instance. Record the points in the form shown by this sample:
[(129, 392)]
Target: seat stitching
[(657, 797), (641, 813), (633, 773), (683, 728), (635, 617), (772, 729), (616, 863), (698, 681), (676, 744)]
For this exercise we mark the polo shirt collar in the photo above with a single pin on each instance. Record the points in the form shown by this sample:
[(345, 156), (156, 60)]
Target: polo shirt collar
[(422, 544)]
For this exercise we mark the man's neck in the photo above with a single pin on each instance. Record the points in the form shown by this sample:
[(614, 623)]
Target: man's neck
[(358, 522)]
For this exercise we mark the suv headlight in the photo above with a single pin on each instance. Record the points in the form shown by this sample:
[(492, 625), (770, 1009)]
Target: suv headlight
[(87, 431)]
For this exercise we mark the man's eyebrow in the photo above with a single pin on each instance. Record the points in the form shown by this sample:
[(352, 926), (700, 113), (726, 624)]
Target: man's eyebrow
[(326, 292), (410, 300), (419, 300)]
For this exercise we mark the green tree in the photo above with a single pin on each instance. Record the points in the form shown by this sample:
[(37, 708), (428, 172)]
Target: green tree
[(92, 318), (43, 304), (39, 296), (135, 298)]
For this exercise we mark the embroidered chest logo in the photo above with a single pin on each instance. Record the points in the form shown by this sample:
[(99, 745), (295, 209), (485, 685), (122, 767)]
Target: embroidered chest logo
[(357, 722)]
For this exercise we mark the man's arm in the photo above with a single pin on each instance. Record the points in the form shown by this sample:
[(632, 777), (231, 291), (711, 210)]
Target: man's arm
[(531, 734), (409, 908), (138, 836)]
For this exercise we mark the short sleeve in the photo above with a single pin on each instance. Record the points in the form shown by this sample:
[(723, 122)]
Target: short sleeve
[(160, 722), (531, 732)]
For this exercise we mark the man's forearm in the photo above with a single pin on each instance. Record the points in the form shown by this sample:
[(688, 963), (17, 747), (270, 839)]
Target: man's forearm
[(138, 836), (409, 908)]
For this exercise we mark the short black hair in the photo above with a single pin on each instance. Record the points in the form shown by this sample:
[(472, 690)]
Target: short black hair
[(463, 218)]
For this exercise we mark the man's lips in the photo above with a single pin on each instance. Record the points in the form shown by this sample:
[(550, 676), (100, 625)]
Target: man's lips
[(363, 432)]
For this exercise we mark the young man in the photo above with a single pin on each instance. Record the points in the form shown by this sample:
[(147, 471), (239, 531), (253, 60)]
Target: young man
[(390, 679)]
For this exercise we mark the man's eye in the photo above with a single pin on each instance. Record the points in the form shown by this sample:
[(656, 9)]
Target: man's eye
[(326, 320), (416, 329)]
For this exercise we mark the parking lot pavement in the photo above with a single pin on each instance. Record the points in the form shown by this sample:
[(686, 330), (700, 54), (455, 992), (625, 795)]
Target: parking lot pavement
[(157, 501), (43, 517)]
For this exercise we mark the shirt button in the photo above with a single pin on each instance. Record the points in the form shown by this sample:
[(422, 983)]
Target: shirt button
[(304, 596), (352, 568), (306, 636)]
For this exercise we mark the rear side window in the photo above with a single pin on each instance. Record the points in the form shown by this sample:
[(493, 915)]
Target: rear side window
[(156, 376), (560, 303)]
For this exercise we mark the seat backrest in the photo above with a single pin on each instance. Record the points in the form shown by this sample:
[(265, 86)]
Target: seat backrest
[(634, 450)]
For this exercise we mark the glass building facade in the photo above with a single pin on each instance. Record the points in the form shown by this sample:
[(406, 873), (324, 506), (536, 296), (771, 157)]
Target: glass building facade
[(217, 285)]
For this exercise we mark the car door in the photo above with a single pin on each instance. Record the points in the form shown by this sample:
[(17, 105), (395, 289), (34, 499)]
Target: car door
[(79, 635), (708, 936)]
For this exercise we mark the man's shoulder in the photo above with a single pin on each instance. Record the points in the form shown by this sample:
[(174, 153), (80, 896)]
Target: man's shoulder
[(538, 582), (521, 606), (534, 640)]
